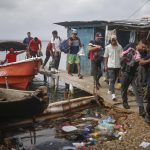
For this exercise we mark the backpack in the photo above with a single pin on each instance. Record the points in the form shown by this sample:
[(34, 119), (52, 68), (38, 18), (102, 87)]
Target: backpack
[(64, 46)]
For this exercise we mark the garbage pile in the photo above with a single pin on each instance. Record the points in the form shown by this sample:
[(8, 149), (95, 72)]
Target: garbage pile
[(87, 131)]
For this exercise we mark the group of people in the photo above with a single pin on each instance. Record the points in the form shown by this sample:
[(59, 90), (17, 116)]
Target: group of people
[(53, 50), (129, 66)]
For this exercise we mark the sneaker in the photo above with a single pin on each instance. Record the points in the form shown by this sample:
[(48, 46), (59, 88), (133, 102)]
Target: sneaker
[(147, 118), (56, 71), (141, 111), (125, 105), (113, 97), (108, 92)]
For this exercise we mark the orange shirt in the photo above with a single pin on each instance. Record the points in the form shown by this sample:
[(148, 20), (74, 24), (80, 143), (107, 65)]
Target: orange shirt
[(11, 57), (34, 46)]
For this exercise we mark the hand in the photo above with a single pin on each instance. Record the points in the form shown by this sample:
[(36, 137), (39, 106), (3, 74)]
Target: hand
[(99, 47), (105, 68)]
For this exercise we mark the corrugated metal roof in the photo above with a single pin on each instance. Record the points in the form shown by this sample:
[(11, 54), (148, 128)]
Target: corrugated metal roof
[(82, 23), (141, 24)]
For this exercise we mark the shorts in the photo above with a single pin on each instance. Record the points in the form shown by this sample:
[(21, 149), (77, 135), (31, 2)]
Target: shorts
[(73, 59)]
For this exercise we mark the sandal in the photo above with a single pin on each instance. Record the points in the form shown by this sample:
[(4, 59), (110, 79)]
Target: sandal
[(80, 76), (70, 74)]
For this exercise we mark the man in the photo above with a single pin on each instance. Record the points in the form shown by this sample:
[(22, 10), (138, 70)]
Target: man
[(49, 52), (112, 63), (73, 57), (96, 57), (56, 40), (12, 56), (146, 61), (27, 39), (35, 47), (130, 75)]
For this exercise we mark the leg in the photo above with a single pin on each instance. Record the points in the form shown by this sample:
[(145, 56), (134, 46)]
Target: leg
[(137, 88), (126, 80), (111, 80), (47, 58), (147, 117), (57, 60)]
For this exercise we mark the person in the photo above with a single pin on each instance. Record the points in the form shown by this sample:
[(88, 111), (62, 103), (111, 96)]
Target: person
[(73, 57), (27, 40), (12, 55), (56, 40), (35, 47), (143, 62), (49, 52), (96, 57), (112, 63), (130, 75)]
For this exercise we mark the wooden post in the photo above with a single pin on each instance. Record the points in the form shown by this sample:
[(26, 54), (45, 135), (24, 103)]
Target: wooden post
[(45, 79), (6, 82), (52, 82), (56, 83), (71, 89)]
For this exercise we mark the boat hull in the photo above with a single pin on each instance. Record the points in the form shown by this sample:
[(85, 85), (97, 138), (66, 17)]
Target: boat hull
[(15, 106), (18, 75)]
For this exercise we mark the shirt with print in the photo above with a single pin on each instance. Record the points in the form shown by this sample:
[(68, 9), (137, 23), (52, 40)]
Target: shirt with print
[(34, 46), (113, 54), (74, 48), (56, 42), (11, 57), (93, 44)]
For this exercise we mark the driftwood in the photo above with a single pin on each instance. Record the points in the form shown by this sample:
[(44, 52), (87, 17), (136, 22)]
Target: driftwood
[(62, 106)]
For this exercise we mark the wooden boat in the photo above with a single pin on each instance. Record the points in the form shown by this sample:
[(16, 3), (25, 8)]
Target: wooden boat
[(18, 74), (16, 104)]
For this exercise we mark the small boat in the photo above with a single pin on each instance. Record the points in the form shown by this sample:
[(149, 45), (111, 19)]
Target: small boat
[(15, 104), (19, 74)]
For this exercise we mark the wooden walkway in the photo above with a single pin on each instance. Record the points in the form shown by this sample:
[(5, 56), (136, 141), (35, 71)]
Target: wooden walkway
[(87, 85)]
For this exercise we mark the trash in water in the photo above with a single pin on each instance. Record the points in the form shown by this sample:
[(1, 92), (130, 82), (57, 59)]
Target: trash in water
[(69, 128), (144, 144)]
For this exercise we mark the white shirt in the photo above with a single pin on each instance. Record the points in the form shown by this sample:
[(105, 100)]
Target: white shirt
[(113, 54), (56, 42)]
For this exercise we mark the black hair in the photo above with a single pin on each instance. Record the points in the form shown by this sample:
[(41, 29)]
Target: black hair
[(54, 32), (35, 39)]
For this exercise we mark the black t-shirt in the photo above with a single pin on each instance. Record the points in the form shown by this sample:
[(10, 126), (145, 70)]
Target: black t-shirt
[(74, 48)]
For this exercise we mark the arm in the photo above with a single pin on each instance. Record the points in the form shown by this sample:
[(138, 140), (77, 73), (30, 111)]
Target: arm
[(144, 62), (21, 52)]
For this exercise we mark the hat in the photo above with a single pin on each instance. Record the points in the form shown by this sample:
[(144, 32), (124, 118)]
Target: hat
[(113, 37), (98, 34), (74, 31)]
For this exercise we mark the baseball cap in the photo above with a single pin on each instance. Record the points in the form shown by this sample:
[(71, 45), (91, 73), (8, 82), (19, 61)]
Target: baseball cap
[(74, 31), (98, 34)]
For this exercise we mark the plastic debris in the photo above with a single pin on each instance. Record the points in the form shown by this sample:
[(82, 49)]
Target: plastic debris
[(68, 148), (144, 144), (69, 128)]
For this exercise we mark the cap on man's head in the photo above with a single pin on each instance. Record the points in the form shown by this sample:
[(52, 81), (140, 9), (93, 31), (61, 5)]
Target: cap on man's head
[(114, 37), (98, 34), (74, 31)]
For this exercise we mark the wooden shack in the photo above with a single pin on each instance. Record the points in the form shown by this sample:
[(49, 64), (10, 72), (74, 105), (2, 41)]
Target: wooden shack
[(126, 31)]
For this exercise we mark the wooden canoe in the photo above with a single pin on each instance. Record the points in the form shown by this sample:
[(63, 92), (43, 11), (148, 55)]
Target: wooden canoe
[(16, 104)]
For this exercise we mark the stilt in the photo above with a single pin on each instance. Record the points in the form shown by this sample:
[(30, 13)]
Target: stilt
[(71, 88), (7, 86), (52, 82), (56, 83), (45, 79)]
